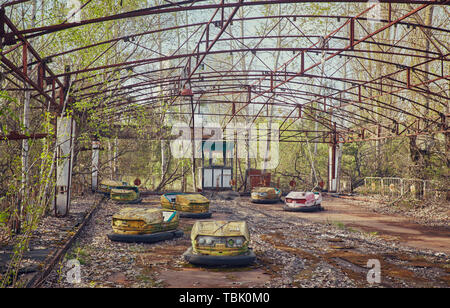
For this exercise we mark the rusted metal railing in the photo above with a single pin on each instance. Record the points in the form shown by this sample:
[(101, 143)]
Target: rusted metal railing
[(393, 188)]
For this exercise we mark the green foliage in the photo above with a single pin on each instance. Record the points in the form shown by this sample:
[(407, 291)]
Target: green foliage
[(4, 216), (79, 253), (6, 111)]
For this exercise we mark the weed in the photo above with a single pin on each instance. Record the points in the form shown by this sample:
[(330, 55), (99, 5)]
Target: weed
[(79, 253), (339, 224)]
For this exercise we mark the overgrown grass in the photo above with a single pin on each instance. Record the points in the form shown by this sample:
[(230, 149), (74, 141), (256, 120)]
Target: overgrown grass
[(79, 253)]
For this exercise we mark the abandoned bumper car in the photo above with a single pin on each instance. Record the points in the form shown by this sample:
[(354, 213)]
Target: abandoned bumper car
[(188, 205), (303, 201), (126, 195), (120, 191), (265, 195), (140, 225), (105, 186), (220, 243)]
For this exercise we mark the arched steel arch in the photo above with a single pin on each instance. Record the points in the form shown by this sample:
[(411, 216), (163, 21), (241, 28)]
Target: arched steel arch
[(283, 86)]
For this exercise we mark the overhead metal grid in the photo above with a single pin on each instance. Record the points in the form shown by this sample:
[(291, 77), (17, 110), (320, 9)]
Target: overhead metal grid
[(348, 107)]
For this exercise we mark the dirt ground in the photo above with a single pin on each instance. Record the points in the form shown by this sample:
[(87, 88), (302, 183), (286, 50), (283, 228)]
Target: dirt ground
[(324, 249), (391, 227)]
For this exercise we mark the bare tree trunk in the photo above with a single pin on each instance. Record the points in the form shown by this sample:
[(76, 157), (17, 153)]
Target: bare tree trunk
[(316, 123), (25, 145), (420, 157), (194, 179), (110, 160), (269, 106), (25, 180), (163, 159), (428, 22), (116, 160)]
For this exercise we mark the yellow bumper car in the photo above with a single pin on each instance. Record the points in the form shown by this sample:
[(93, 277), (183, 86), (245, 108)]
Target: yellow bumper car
[(220, 243), (140, 225), (265, 195), (126, 194), (188, 205)]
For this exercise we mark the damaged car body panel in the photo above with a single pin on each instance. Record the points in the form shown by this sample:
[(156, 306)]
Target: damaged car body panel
[(220, 237), (265, 195), (140, 225), (120, 191), (186, 203), (105, 186), (126, 194), (220, 243), (303, 201), (144, 221)]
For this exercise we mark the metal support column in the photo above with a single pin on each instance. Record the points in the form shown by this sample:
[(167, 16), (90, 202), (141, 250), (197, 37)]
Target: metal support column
[(64, 142)]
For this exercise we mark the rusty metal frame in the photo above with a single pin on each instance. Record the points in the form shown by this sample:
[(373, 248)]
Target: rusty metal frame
[(9, 32), (271, 86)]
